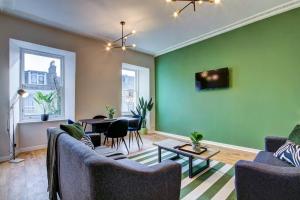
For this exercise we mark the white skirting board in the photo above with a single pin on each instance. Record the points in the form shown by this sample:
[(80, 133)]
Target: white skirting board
[(185, 138), (33, 148), (4, 158), (24, 149)]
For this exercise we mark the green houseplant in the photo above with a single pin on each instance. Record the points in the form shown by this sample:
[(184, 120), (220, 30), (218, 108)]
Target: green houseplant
[(111, 111), (196, 137), (45, 101), (142, 109)]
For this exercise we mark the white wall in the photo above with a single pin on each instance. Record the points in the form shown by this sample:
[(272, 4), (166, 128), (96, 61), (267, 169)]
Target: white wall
[(33, 135)]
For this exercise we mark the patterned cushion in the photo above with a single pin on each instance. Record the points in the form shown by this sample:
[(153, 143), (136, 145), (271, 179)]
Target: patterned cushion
[(295, 135), (87, 141), (289, 152)]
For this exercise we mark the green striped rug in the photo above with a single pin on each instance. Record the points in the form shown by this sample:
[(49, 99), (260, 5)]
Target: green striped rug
[(216, 182)]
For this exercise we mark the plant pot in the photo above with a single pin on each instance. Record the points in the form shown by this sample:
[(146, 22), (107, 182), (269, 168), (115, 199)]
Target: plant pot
[(144, 131), (44, 117), (196, 147), (110, 116)]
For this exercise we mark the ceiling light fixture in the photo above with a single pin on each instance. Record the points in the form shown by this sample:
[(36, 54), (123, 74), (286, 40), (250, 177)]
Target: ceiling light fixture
[(123, 39), (193, 3)]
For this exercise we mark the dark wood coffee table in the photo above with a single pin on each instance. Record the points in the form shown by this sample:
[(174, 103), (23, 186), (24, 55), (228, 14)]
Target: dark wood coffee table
[(172, 146)]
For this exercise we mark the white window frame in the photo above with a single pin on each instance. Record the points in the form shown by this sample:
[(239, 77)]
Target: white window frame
[(131, 68), (22, 81)]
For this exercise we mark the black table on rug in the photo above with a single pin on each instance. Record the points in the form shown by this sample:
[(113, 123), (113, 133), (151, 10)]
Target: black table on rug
[(92, 122), (172, 146)]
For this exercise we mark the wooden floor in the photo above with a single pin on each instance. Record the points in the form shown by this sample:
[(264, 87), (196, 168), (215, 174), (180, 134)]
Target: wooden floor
[(28, 180)]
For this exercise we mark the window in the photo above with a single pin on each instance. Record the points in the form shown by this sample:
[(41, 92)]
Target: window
[(135, 84), (129, 89), (42, 72)]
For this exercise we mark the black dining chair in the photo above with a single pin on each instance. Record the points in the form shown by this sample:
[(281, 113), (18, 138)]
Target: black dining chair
[(117, 130), (98, 129), (133, 129)]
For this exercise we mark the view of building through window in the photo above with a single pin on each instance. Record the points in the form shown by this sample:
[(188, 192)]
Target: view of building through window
[(42, 73), (129, 90)]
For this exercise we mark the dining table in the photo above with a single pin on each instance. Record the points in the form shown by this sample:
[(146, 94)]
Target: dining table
[(105, 121)]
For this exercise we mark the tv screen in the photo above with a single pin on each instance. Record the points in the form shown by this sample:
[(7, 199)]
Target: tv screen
[(212, 79)]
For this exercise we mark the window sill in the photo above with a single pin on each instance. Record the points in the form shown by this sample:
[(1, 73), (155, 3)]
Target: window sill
[(39, 121)]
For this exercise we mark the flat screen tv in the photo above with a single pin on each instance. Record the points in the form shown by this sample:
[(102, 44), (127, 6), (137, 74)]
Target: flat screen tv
[(212, 79)]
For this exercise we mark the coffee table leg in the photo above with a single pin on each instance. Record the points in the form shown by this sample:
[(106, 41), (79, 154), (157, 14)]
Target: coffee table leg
[(193, 173), (159, 154), (190, 167)]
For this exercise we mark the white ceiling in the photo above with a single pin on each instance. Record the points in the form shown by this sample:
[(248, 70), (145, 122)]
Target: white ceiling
[(157, 31)]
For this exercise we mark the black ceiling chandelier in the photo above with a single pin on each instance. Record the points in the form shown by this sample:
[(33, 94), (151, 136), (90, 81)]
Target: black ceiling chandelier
[(121, 42), (191, 2)]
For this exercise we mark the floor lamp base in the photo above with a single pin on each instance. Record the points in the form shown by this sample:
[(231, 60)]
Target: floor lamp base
[(17, 160)]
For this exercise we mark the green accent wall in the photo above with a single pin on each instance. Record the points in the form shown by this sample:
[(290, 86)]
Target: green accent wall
[(264, 97)]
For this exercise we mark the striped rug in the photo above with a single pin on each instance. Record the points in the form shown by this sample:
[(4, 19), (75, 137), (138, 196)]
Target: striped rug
[(216, 182)]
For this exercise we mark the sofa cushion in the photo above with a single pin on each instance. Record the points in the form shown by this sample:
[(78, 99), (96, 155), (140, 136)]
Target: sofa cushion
[(87, 141), (268, 158), (75, 130), (295, 135), (289, 152)]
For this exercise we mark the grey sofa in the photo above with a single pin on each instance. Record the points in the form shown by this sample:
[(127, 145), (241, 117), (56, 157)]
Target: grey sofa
[(85, 174), (267, 178)]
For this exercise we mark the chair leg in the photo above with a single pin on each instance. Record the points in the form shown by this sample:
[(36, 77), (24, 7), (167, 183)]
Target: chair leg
[(125, 145), (105, 139), (129, 137), (117, 143), (100, 138), (137, 139), (112, 143), (139, 135)]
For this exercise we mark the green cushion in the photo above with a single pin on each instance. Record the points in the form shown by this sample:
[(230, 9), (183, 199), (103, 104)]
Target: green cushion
[(75, 130), (295, 135)]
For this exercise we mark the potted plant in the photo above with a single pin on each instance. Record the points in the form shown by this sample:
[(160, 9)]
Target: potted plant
[(196, 137), (111, 111), (45, 101), (142, 109)]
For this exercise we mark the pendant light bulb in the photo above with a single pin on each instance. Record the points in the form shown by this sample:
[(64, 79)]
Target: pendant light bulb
[(133, 31), (175, 14), (123, 48), (217, 1), (168, 1), (200, 2), (134, 45), (107, 48), (109, 44)]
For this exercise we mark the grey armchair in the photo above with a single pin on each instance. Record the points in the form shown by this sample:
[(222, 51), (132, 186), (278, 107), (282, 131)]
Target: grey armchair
[(267, 178)]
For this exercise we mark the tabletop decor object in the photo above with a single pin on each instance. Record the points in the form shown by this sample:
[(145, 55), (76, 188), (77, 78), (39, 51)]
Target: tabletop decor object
[(111, 111), (196, 137)]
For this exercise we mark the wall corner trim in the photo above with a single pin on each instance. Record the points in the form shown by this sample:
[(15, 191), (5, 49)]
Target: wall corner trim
[(185, 138), (254, 18)]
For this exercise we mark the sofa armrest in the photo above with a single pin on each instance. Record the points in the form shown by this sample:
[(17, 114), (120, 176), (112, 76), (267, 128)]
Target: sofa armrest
[(272, 143), (115, 181), (257, 181)]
